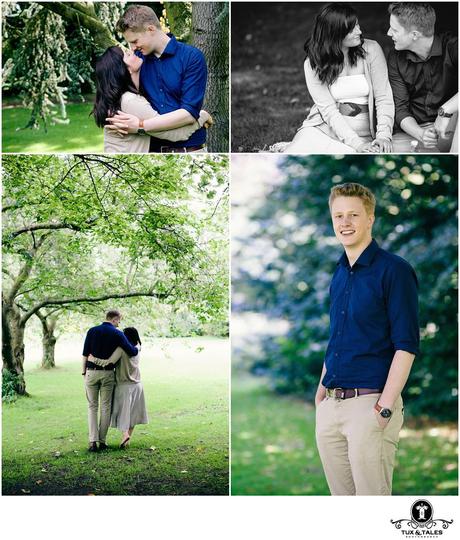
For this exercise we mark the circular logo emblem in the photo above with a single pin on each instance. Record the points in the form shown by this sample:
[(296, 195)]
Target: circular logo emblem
[(421, 511)]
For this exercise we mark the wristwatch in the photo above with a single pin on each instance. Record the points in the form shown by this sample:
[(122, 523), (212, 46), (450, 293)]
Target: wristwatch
[(442, 112), (384, 413), (140, 129)]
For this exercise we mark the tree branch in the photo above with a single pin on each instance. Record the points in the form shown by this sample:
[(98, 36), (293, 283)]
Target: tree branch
[(81, 17), (26, 269), (88, 300)]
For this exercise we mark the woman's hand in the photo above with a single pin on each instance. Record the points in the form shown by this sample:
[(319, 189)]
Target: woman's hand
[(206, 118), (123, 123), (382, 145), (365, 147), (440, 126), (132, 62)]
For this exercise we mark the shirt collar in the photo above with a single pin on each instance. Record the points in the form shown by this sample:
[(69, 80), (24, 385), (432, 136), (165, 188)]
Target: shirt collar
[(436, 50), (171, 47), (366, 257)]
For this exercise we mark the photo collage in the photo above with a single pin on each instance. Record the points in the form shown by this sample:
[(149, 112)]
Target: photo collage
[(230, 264)]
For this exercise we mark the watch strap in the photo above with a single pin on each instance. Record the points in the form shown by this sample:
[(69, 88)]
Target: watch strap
[(379, 409), (443, 113)]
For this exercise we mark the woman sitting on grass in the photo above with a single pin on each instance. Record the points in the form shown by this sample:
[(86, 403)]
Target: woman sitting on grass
[(117, 83), (346, 77), (128, 404)]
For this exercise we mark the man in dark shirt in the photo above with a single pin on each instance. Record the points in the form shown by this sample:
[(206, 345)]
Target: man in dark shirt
[(424, 78), (374, 337), (101, 341), (173, 77)]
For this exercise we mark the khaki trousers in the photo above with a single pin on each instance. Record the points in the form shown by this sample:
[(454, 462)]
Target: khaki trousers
[(99, 383), (358, 456)]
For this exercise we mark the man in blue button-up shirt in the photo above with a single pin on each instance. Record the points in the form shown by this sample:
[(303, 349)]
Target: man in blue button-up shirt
[(374, 337), (173, 77)]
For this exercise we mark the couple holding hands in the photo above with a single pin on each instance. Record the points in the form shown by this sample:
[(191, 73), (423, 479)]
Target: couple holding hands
[(358, 97)]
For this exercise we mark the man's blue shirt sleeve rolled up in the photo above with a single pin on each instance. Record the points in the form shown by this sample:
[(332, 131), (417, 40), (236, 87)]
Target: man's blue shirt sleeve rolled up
[(194, 84), (401, 296), (129, 349)]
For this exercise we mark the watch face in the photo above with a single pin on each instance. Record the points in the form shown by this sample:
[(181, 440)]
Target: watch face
[(141, 131), (386, 413)]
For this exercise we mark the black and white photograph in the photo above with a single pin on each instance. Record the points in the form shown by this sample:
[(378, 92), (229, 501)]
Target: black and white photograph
[(344, 77)]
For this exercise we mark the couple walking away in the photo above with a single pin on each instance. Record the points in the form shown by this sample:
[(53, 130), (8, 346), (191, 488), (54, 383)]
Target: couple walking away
[(111, 371), (357, 98), (149, 98)]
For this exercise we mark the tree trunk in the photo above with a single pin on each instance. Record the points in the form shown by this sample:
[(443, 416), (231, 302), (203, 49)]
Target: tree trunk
[(13, 345), (210, 35), (48, 341)]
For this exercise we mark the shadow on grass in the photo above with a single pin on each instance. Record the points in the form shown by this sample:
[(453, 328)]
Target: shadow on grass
[(182, 451), (274, 450)]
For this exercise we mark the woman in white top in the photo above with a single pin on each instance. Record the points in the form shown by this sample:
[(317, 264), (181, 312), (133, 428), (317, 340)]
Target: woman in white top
[(128, 402), (117, 82), (347, 79)]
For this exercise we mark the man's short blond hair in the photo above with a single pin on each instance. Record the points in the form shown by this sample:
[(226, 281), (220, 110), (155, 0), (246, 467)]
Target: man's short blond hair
[(137, 18), (352, 189)]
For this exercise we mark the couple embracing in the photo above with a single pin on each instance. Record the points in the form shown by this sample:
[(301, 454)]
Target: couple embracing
[(358, 97), (112, 377), (149, 97)]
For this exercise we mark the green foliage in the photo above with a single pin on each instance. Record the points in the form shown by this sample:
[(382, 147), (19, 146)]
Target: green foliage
[(37, 66), (416, 218), (118, 225), (10, 384), (178, 18), (48, 58)]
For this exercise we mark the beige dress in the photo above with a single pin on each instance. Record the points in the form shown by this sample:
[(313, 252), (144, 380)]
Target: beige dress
[(132, 143), (128, 404)]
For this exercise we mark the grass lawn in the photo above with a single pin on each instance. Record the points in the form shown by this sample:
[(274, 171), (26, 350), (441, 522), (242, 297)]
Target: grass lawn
[(182, 451), (81, 135), (274, 450)]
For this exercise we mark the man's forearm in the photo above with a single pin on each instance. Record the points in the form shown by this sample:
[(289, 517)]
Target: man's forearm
[(397, 378), (451, 106), (171, 120), (83, 364), (410, 126)]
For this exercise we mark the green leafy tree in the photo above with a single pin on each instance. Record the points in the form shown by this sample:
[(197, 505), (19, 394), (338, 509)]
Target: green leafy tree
[(416, 217), (87, 229), (50, 49)]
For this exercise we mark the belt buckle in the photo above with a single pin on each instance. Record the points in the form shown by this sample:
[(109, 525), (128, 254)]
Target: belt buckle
[(336, 397)]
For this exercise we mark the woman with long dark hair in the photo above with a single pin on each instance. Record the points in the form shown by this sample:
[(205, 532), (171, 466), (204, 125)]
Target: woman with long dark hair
[(117, 83), (347, 78), (128, 403)]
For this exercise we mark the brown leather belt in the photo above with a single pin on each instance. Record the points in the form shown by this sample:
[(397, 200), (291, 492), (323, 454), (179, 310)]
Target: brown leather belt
[(352, 109), (96, 367), (345, 393), (180, 150)]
